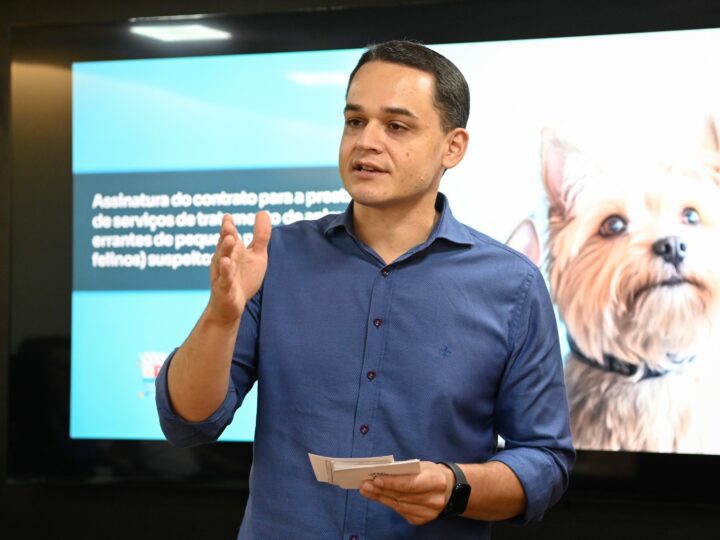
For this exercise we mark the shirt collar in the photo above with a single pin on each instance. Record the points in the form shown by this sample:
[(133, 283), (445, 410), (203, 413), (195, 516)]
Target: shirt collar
[(447, 227)]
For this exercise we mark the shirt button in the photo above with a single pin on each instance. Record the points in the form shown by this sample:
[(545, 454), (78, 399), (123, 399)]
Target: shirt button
[(385, 272), (378, 323), (364, 429), (371, 375)]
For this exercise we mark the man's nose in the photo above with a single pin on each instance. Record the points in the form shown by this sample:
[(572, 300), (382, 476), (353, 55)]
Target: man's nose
[(370, 137)]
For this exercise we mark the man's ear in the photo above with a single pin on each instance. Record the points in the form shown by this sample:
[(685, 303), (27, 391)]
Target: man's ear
[(456, 145)]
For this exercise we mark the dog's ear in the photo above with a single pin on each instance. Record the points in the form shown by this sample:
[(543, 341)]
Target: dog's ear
[(557, 154), (711, 148), (526, 240)]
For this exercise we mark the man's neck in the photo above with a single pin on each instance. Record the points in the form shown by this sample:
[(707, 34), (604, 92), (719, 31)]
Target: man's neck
[(390, 232)]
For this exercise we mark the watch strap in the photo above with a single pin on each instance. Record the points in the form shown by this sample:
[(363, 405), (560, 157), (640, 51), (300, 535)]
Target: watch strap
[(460, 493)]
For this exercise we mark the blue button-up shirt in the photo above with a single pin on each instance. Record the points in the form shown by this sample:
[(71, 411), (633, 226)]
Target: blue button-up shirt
[(430, 357)]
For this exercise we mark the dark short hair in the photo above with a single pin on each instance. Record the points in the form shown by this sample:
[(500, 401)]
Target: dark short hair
[(452, 95)]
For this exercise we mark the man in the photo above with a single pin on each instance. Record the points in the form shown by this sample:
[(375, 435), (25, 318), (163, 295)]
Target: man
[(388, 329)]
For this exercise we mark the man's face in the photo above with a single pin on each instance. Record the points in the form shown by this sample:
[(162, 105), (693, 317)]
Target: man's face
[(393, 149)]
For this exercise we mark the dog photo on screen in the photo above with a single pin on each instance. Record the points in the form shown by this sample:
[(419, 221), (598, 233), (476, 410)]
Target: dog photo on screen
[(631, 255)]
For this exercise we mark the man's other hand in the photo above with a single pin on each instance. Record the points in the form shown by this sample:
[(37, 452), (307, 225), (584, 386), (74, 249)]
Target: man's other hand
[(418, 498)]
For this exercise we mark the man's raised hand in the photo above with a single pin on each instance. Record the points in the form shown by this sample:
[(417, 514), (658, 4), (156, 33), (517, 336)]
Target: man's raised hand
[(237, 271)]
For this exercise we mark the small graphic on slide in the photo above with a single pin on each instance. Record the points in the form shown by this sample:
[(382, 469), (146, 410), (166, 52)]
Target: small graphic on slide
[(150, 363)]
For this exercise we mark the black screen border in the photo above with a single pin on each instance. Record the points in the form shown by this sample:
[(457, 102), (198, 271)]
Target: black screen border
[(38, 456)]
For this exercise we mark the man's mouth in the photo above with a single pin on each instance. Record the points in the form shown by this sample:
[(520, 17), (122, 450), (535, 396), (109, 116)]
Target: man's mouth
[(367, 167)]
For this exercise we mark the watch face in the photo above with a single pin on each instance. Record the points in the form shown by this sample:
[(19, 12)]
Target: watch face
[(462, 494), (458, 499)]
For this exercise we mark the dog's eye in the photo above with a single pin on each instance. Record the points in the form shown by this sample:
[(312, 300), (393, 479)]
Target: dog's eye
[(613, 226), (691, 216)]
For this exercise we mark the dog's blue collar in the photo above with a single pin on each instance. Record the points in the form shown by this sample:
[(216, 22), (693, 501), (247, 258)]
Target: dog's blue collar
[(613, 364)]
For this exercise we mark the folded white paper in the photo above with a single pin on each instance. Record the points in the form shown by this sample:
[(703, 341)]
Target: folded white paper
[(350, 473)]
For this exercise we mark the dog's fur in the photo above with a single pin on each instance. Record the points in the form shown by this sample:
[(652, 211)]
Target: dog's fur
[(618, 297)]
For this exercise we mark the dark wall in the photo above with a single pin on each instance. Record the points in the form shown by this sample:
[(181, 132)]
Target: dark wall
[(33, 511), (159, 512)]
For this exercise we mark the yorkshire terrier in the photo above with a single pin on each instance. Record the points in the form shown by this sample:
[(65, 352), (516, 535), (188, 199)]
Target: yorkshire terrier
[(634, 270)]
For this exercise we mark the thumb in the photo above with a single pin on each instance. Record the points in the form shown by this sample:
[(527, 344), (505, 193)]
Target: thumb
[(261, 232)]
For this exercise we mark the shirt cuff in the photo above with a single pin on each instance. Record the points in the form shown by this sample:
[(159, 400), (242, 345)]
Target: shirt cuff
[(182, 433), (541, 477)]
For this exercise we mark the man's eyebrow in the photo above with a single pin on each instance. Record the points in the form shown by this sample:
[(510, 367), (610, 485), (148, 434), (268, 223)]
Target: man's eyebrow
[(399, 110), (387, 110)]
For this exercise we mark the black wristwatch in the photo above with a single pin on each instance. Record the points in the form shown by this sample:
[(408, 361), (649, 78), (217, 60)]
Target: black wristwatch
[(460, 493)]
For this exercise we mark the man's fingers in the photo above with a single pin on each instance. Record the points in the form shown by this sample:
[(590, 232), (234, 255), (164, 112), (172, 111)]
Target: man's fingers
[(227, 230), (401, 495), (261, 232), (399, 505), (225, 272), (408, 483), (411, 511), (224, 250), (228, 226)]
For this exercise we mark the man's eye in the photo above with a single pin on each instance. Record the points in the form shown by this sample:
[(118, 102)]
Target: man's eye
[(353, 122), (394, 126)]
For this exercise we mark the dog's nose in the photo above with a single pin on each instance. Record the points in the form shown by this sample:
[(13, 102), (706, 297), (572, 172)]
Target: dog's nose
[(671, 248)]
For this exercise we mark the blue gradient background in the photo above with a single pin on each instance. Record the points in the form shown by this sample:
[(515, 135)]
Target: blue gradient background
[(205, 113), (109, 331)]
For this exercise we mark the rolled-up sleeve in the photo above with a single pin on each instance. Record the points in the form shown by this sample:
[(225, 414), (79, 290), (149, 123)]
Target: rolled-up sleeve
[(179, 431), (243, 373), (531, 409)]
